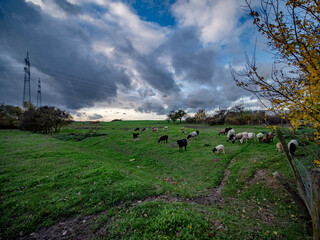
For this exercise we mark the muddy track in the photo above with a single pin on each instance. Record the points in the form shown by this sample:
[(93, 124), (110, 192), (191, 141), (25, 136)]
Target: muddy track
[(80, 227)]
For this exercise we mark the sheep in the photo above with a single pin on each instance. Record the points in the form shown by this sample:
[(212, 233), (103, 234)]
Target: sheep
[(227, 129), (145, 129), (293, 146), (154, 129), (165, 128), (182, 143), (237, 137), (163, 138), (137, 129), (279, 147), (219, 148), (268, 137), (260, 137), (230, 134), (193, 134), (182, 129), (222, 132), (251, 136), (245, 137), (135, 136)]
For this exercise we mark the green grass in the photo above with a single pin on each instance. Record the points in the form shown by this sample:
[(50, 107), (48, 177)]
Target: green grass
[(47, 179)]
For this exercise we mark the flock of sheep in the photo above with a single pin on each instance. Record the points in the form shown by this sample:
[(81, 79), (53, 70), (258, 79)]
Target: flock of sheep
[(231, 136)]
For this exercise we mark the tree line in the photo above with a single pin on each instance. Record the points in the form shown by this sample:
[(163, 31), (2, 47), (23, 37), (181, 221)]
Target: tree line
[(46, 120), (236, 115)]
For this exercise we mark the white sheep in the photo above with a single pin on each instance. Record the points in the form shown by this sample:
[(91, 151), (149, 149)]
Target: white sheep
[(238, 136), (293, 146), (165, 128), (219, 148), (260, 137), (251, 136), (245, 137), (230, 134), (279, 147), (193, 134)]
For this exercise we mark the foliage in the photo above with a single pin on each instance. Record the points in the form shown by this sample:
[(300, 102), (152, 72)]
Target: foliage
[(293, 32), (200, 115), (180, 114), (174, 115), (9, 116), (44, 119)]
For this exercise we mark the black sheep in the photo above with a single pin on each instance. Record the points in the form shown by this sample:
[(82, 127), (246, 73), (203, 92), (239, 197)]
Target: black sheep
[(137, 129), (135, 135), (182, 143), (163, 138)]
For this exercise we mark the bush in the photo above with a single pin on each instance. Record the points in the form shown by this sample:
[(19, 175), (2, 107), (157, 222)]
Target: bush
[(44, 120), (9, 116)]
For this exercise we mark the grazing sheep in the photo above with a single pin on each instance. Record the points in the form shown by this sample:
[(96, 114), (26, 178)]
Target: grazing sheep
[(165, 128), (251, 136), (193, 134), (268, 137), (236, 137), (182, 129), (227, 129), (137, 129), (230, 134), (279, 147), (182, 143), (154, 129), (135, 136), (222, 132), (293, 146), (163, 138), (245, 137), (219, 148), (145, 129), (260, 137)]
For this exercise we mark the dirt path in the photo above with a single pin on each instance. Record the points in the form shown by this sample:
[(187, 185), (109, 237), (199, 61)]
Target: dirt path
[(79, 227)]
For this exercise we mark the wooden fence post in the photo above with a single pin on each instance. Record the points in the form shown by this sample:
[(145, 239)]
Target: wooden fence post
[(315, 202), (297, 176)]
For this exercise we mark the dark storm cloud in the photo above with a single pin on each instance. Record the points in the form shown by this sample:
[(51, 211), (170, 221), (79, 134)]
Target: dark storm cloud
[(61, 50), (151, 106)]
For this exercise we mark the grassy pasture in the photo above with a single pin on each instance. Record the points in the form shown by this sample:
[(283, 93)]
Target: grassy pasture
[(85, 172)]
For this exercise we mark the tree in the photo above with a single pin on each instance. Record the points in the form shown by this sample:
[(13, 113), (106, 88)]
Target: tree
[(9, 116), (172, 115), (44, 119), (200, 115), (180, 114), (293, 33)]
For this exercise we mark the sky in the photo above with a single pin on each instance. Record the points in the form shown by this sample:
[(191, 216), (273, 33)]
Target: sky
[(127, 59)]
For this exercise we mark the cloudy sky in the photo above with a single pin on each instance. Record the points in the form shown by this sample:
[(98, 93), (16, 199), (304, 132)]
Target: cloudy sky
[(128, 59)]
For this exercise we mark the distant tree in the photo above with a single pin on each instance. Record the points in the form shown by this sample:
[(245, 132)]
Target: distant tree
[(10, 116), (173, 116), (200, 115), (180, 114), (236, 109)]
